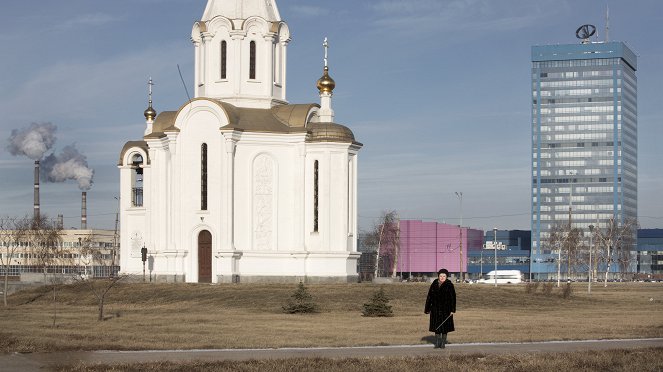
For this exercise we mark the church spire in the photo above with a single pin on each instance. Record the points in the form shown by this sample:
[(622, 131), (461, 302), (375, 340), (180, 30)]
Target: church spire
[(240, 51), (242, 9), (150, 113), (326, 86)]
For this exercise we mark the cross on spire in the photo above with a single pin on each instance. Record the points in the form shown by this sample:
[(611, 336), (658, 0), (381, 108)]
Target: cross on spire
[(325, 44), (149, 90)]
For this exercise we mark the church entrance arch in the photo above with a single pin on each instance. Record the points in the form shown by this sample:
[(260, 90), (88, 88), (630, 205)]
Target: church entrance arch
[(204, 257)]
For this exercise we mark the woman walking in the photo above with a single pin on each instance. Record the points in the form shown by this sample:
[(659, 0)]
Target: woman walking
[(441, 305)]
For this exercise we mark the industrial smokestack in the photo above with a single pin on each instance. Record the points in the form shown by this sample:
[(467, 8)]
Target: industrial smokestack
[(60, 221), (84, 211), (36, 198)]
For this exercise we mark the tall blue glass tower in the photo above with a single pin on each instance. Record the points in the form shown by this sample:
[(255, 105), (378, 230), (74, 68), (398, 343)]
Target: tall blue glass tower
[(584, 140)]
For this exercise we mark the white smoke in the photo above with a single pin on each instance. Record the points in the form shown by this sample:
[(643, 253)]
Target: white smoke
[(68, 165), (32, 141)]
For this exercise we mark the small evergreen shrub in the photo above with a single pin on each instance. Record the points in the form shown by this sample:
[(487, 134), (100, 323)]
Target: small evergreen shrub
[(301, 302), (379, 305), (547, 288), (531, 287)]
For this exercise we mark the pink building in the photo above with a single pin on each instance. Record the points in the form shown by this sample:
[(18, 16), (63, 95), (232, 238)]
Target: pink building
[(427, 247)]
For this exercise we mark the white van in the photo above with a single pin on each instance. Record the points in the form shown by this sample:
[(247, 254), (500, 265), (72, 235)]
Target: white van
[(503, 277)]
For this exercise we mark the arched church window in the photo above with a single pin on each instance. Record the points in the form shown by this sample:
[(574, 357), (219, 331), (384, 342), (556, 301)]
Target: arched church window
[(315, 196), (224, 58), (137, 180), (252, 60), (203, 177)]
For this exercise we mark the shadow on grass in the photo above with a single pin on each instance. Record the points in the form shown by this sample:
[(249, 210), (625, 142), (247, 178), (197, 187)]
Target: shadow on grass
[(431, 340)]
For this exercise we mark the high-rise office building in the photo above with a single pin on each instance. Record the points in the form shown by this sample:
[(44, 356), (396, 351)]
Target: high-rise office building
[(584, 139)]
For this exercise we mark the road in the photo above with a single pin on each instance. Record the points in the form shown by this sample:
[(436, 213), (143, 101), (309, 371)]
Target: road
[(46, 361)]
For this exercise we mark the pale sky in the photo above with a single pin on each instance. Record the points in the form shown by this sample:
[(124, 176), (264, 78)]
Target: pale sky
[(438, 91)]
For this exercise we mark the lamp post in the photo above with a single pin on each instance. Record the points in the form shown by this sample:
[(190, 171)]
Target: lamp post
[(495, 248), (143, 257), (589, 270), (481, 264), (459, 194), (559, 263)]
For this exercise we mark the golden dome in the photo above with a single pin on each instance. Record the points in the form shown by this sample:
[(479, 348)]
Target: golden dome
[(330, 132), (326, 84), (150, 113)]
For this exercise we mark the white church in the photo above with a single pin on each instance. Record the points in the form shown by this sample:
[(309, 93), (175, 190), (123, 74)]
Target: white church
[(238, 185)]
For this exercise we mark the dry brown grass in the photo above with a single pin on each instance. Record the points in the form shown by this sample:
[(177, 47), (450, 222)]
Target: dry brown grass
[(196, 316), (607, 360)]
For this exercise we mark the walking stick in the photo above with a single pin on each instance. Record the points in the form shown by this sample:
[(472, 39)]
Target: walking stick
[(438, 327)]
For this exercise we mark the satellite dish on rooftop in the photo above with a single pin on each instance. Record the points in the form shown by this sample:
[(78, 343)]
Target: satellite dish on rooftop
[(584, 32)]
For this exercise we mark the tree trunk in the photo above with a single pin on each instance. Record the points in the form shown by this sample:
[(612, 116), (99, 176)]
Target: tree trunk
[(55, 306), (4, 292), (397, 248), (101, 308), (377, 256)]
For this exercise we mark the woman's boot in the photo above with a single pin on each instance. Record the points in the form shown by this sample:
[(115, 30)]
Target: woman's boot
[(443, 340), (438, 341)]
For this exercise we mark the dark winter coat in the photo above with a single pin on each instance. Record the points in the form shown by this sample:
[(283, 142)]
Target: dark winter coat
[(440, 303)]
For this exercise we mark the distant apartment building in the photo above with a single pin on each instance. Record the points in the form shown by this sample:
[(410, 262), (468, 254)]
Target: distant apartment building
[(584, 140), (650, 253)]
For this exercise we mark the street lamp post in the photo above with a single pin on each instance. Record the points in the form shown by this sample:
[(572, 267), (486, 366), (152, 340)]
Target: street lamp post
[(481, 264), (495, 248), (559, 263), (589, 270), (459, 194), (143, 257)]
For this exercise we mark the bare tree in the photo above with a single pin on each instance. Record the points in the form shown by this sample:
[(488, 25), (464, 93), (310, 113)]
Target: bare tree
[(615, 243), (44, 238), (572, 248), (567, 240), (384, 238), (12, 232), (93, 255)]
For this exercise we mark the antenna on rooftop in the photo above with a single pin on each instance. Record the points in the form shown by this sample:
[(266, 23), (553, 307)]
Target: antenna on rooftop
[(607, 23), (183, 83)]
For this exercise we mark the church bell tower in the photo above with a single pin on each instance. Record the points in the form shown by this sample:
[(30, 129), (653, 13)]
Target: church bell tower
[(240, 53)]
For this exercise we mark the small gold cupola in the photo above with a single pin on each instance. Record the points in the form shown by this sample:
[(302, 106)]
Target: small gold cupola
[(326, 84), (150, 113)]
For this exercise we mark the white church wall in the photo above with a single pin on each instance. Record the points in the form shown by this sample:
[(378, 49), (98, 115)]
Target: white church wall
[(333, 215), (267, 197)]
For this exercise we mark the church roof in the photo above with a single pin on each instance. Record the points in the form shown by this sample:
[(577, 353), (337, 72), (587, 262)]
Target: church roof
[(164, 122), (242, 9), (131, 144), (331, 132), (291, 118)]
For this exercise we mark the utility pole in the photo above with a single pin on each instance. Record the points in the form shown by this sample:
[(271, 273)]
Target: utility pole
[(115, 236), (495, 248), (589, 271), (566, 241), (459, 194)]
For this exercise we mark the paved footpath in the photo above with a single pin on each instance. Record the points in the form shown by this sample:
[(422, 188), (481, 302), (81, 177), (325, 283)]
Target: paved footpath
[(46, 361)]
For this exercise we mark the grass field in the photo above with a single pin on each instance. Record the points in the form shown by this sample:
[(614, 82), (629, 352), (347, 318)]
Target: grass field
[(197, 316)]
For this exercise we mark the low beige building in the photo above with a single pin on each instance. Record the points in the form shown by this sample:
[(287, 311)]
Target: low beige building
[(89, 253)]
